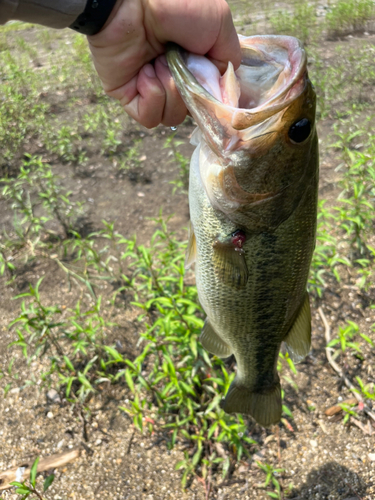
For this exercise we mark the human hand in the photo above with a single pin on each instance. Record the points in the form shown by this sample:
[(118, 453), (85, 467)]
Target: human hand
[(128, 52)]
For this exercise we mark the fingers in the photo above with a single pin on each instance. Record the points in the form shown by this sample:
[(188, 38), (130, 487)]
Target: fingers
[(148, 104), (227, 46), (151, 97), (174, 109), (202, 27)]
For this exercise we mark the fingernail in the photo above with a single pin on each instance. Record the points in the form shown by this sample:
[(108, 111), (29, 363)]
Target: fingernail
[(163, 60), (149, 71)]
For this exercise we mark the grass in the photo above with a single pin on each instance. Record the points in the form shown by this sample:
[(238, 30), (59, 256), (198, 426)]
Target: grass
[(174, 387), (309, 21)]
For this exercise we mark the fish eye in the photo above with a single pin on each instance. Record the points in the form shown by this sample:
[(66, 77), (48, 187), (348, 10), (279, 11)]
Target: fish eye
[(300, 131)]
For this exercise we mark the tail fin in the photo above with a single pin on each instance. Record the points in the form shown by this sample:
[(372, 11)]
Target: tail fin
[(264, 407)]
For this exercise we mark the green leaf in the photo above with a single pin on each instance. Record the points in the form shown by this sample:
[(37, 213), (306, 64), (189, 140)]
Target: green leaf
[(33, 472), (180, 464), (23, 491), (291, 364), (197, 455), (68, 363), (48, 481), (7, 389), (114, 353), (69, 385), (84, 381), (365, 337), (226, 466), (129, 380), (272, 495), (16, 483), (287, 411)]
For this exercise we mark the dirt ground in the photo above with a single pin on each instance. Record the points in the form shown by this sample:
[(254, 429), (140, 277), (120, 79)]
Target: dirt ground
[(322, 458)]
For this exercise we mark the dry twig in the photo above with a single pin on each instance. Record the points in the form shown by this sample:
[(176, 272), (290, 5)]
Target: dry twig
[(47, 463)]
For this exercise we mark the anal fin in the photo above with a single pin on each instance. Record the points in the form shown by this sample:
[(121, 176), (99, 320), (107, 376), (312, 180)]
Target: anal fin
[(213, 343), (264, 407), (298, 339), (191, 250)]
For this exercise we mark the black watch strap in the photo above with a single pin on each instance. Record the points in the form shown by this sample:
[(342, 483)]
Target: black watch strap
[(94, 17)]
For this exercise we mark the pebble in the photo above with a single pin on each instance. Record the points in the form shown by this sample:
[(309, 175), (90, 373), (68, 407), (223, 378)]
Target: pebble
[(313, 443), (49, 414), (371, 457), (53, 396)]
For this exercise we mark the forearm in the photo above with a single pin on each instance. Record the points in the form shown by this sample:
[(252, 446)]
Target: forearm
[(52, 13)]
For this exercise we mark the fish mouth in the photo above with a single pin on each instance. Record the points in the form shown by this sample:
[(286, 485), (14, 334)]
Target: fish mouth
[(271, 76)]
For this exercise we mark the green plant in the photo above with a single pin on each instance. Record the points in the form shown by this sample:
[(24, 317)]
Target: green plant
[(285, 360), (131, 156), (301, 23), (349, 15), (348, 412), (110, 143), (181, 389), (36, 187), (28, 487), (345, 340), (272, 475), (6, 375), (79, 360), (6, 266), (327, 257), (367, 390), (66, 143), (175, 385), (356, 210)]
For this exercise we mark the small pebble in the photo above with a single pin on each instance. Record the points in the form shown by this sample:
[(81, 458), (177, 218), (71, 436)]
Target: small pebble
[(53, 396)]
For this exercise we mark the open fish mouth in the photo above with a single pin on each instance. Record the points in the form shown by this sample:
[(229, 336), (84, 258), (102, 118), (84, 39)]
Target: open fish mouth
[(271, 76)]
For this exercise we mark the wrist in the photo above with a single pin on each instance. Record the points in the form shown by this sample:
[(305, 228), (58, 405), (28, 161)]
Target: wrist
[(97, 15)]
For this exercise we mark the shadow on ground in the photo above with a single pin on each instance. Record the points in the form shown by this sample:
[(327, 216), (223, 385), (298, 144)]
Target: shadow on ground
[(331, 481)]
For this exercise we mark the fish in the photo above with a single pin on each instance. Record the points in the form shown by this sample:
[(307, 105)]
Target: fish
[(253, 209)]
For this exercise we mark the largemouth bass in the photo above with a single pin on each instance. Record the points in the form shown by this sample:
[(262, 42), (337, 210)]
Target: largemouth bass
[(253, 207)]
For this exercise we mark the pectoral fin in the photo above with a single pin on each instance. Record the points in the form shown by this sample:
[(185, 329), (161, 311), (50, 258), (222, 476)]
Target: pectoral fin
[(191, 250), (298, 340), (213, 343), (230, 264)]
